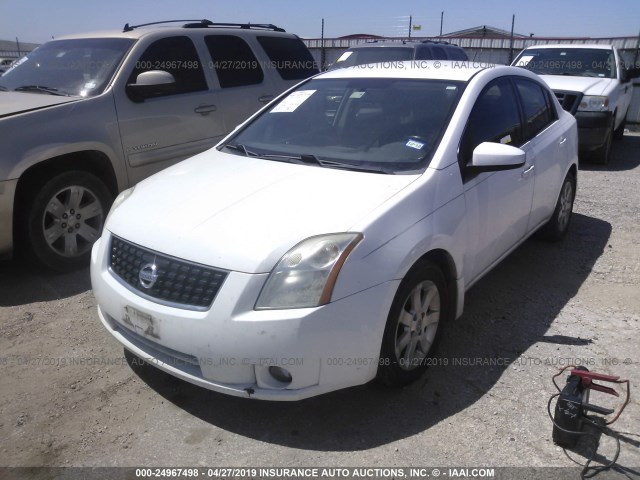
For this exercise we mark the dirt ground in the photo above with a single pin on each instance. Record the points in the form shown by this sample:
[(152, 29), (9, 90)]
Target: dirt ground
[(68, 397)]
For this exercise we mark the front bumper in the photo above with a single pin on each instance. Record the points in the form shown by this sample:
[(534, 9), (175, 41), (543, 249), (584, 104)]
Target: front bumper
[(7, 200), (231, 347), (594, 129)]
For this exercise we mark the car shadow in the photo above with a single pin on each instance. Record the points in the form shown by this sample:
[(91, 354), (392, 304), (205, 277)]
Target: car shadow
[(624, 156), (21, 284), (498, 323)]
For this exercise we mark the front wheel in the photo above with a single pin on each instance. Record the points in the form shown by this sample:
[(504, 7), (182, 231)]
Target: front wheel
[(602, 156), (557, 226), (419, 310), (65, 218)]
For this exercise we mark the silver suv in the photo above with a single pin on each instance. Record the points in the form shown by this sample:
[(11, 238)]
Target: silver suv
[(89, 115)]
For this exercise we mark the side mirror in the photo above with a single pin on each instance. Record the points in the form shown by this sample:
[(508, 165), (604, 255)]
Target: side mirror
[(151, 84), (624, 75), (633, 73), (493, 157)]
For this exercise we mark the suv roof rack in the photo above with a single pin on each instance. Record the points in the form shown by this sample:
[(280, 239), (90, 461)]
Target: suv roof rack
[(204, 23)]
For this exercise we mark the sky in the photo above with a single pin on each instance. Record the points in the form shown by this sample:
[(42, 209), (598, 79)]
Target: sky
[(38, 21)]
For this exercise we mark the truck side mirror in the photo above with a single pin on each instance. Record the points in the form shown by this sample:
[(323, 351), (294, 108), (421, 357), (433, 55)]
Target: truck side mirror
[(633, 73), (149, 84)]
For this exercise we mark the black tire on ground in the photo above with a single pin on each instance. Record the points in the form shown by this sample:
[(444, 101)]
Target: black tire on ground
[(64, 219), (556, 228), (618, 133), (418, 313), (602, 156)]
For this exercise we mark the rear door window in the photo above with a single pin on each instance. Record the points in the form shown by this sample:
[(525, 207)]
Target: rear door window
[(457, 54), (439, 53), (537, 107), (234, 61)]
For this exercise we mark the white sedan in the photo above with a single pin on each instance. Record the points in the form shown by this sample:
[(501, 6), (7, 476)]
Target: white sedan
[(331, 238)]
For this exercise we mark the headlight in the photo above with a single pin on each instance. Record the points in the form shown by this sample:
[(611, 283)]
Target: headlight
[(593, 104), (305, 276), (119, 200)]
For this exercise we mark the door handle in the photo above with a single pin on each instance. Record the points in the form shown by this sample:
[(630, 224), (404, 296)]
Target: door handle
[(563, 141), (265, 98), (205, 109), (528, 171)]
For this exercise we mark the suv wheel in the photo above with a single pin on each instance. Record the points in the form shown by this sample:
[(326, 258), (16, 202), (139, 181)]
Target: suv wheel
[(65, 218), (419, 310), (618, 133), (603, 154)]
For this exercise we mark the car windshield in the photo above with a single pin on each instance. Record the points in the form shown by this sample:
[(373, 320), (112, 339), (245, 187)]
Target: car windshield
[(364, 55), (80, 67), (577, 62), (385, 125)]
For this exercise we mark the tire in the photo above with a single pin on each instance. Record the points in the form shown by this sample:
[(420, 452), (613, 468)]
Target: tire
[(56, 242), (618, 133), (404, 354), (557, 226), (602, 156)]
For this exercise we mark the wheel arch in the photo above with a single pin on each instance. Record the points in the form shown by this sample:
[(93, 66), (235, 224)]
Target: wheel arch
[(443, 259), (90, 161)]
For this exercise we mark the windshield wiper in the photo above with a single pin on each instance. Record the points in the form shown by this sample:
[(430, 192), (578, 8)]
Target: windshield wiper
[(308, 158), (351, 166), (241, 148), (40, 89)]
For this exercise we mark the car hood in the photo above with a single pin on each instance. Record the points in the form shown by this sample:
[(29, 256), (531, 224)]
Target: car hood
[(244, 214), (12, 103), (585, 85)]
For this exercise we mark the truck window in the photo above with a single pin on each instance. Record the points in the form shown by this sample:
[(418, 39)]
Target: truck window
[(577, 62)]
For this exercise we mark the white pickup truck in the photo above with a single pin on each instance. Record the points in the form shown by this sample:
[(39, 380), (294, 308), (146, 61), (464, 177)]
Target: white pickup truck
[(592, 83)]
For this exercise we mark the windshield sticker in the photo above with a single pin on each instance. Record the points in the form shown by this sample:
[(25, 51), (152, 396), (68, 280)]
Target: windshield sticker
[(357, 94), (524, 60), (293, 101), (90, 85), (344, 56), (415, 144), (505, 140)]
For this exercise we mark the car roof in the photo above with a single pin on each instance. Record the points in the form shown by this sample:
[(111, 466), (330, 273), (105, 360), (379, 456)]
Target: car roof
[(597, 46), (417, 69)]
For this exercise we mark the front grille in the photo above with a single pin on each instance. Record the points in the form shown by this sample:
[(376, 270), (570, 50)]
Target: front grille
[(179, 282), (569, 101)]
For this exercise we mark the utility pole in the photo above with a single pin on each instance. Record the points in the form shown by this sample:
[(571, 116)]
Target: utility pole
[(513, 22), (441, 21), (635, 57), (322, 51), (410, 22), (18, 47)]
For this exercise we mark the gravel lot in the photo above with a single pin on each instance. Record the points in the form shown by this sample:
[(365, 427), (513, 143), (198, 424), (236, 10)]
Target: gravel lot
[(545, 305)]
